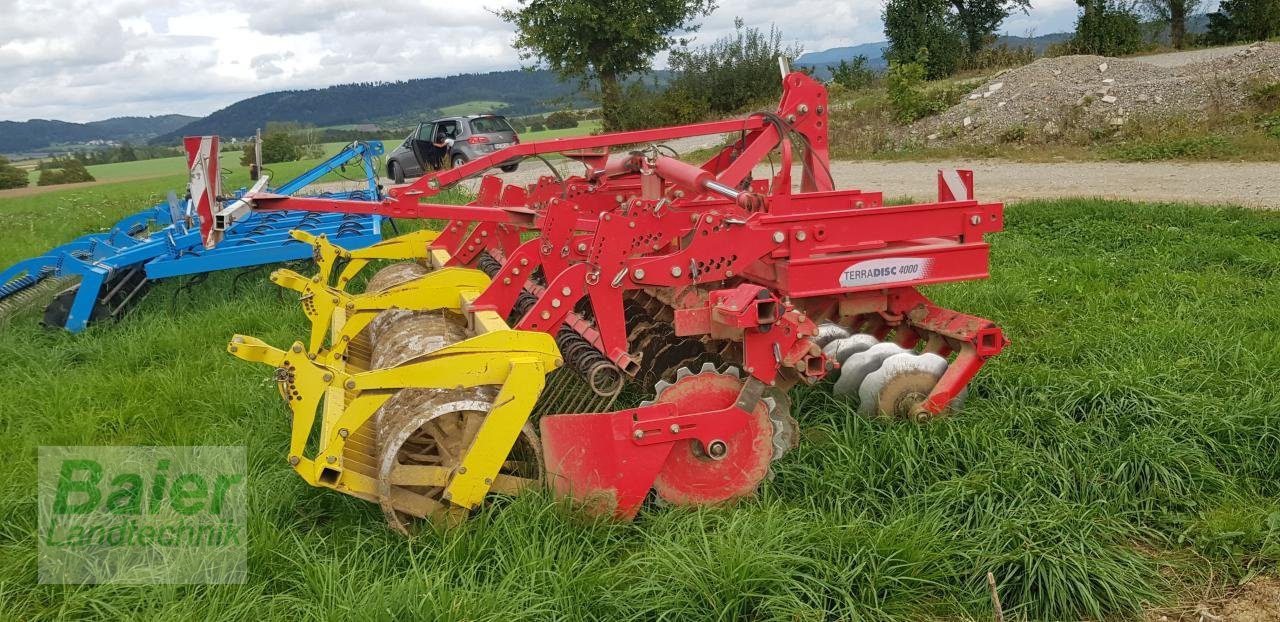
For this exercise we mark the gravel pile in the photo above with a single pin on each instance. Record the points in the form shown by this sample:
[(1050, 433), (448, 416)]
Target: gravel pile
[(1052, 95)]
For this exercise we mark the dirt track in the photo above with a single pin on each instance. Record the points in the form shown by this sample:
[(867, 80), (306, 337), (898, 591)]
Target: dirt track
[(1250, 184)]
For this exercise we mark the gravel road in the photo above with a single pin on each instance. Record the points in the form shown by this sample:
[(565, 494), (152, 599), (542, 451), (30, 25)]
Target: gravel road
[(1178, 59), (1249, 184)]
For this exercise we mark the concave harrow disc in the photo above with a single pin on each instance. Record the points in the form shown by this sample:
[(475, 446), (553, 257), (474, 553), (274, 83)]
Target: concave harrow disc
[(888, 379)]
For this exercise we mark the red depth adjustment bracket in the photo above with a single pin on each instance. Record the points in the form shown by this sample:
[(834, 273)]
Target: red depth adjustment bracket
[(971, 338), (706, 438), (773, 336)]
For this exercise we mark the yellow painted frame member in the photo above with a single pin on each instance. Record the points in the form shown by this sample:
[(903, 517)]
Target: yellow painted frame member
[(326, 254), (497, 355), (321, 302)]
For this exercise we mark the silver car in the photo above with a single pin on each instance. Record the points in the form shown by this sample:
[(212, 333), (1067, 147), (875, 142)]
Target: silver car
[(451, 141)]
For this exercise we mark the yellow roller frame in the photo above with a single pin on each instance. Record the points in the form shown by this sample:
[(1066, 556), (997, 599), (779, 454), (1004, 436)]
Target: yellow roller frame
[(403, 247), (431, 291), (498, 355)]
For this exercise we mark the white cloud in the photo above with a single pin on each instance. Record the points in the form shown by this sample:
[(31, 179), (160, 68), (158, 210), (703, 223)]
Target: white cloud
[(82, 60)]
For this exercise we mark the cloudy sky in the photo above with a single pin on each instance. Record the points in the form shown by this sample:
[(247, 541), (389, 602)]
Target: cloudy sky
[(84, 60)]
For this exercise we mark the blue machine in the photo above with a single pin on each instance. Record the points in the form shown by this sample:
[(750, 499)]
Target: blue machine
[(117, 267)]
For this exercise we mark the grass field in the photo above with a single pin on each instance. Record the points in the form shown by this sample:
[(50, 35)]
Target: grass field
[(472, 107), (176, 167), (1120, 455)]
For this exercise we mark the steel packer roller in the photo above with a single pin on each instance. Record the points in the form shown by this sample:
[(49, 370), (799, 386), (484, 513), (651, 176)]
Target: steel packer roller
[(629, 331)]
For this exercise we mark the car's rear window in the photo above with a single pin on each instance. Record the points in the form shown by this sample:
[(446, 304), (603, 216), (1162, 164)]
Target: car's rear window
[(489, 125)]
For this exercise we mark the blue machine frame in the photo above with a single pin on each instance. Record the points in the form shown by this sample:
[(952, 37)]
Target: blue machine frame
[(164, 241)]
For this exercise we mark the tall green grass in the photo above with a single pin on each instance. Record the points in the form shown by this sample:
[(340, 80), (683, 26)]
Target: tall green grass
[(1127, 444)]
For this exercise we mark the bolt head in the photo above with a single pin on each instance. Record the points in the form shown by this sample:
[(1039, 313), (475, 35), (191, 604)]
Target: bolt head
[(297, 348), (975, 220), (343, 433), (566, 291), (676, 271), (331, 459), (546, 315), (524, 261), (639, 274), (555, 303), (675, 428), (294, 460), (638, 434), (582, 247), (506, 280), (327, 377), (462, 470), (803, 108), (800, 235), (351, 384), (778, 237)]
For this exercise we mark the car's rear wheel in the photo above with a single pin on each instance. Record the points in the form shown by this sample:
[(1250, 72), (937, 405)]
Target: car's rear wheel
[(397, 174), (459, 160)]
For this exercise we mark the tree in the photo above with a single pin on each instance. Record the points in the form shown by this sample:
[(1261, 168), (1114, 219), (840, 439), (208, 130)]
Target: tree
[(11, 176), (68, 170), (278, 145), (1244, 20), (732, 72), (978, 19), (925, 32), (1175, 14), (602, 40), (852, 74), (561, 120), (1106, 28)]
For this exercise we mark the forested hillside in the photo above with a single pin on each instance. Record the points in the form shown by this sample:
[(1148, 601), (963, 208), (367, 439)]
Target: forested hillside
[(522, 92), (17, 136)]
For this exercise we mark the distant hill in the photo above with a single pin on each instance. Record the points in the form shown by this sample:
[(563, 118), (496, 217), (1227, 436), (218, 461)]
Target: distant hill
[(519, 92), (19, 136), (874, 52)]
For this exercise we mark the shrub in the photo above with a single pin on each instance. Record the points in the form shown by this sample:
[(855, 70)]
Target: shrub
[(909, 96), (999, 57), (1271, 124), (11, 176), (1199, 148), (731, 73), (647, 107), (1267, 97), (561, 120), (1107, 29), (853, 74), (1015, 134), (63, 171)]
